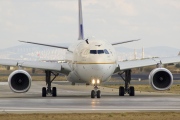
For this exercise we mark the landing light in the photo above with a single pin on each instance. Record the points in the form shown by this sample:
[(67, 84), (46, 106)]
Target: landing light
[(98, 81), (93, 81)]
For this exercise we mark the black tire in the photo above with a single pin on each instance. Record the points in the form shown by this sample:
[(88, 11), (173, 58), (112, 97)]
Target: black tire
[(43, 92), (98, 94), (92, 94), (121, 91), (54, 92), (131, 91)]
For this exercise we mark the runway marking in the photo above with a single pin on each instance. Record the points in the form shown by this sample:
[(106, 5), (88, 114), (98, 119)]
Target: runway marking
[(3, 83)]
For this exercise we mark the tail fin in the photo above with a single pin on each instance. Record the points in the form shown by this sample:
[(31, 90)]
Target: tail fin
[(81, 31)]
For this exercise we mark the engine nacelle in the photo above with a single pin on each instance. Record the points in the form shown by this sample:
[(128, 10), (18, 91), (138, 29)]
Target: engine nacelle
[(19, 81), (161, 79)]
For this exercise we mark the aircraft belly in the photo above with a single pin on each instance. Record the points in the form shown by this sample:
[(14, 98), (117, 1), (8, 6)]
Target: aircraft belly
[(73, 77)]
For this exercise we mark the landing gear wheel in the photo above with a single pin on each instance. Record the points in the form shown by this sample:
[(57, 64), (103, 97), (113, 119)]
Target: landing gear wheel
[(49, 90), (43, 92), (92, 94), (127, 79), (98, 94), (131, 91), (54, 92), (121, 91)]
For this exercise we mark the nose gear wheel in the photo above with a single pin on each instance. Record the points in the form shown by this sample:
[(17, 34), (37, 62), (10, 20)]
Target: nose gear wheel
[(96, 92)]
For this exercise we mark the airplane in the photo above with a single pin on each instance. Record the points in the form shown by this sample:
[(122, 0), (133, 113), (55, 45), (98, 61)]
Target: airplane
[(90, 61)]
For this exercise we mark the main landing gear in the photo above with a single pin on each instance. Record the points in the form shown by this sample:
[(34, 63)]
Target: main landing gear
[(48, 90), (127, 79), (96, 92)]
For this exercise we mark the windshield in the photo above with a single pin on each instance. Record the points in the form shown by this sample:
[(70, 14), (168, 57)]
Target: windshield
[(93, 51), (99, 51), (106, 52)]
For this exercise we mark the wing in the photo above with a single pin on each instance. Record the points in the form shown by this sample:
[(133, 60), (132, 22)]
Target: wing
[(147, 62), (59, 67)]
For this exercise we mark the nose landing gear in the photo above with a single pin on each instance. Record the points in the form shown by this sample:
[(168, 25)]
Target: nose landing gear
[(96, 92)]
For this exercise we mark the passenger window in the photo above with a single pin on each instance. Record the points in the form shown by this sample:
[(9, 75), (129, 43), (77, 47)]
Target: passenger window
[(106, 52), (93, 51), (100, 51)]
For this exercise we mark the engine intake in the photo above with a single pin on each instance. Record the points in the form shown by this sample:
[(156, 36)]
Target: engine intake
[(161, 79), (19, 81)]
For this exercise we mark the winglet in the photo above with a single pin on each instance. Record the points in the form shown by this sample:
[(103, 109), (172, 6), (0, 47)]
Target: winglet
[(81, 31)]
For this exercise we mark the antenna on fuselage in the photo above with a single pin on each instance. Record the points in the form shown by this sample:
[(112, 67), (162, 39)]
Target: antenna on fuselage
[(81, 31), (87, 41)]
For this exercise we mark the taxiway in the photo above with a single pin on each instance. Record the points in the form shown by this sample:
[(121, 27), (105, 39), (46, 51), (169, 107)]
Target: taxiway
[(76, 99)]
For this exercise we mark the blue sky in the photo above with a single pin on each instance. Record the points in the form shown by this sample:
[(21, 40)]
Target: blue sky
[(155, 22)]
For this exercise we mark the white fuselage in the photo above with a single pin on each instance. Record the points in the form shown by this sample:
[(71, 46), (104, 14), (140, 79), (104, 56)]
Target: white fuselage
[(96, 59)]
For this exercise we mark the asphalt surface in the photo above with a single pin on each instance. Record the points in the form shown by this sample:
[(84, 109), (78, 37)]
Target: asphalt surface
[(76, 99)]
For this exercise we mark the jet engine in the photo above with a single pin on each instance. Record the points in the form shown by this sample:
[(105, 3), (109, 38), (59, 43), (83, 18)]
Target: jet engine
[(160, 79), (19, 81)]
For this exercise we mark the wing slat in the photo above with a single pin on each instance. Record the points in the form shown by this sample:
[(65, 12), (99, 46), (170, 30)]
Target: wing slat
[(147, 62), (36, 64)]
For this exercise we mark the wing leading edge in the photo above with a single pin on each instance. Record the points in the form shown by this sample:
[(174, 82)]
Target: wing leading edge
[(147, 62), (37, 64)]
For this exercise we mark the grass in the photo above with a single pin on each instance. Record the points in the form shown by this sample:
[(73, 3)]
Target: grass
[(42, 78), (29, 70), (34, 78), (95, 116)]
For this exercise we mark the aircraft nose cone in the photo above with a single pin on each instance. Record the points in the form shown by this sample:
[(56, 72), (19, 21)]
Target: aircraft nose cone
[(97, 67), (99, 71)]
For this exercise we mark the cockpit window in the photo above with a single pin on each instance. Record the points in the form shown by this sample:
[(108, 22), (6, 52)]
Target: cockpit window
[(93, 51), (100, 51), (106, 52)]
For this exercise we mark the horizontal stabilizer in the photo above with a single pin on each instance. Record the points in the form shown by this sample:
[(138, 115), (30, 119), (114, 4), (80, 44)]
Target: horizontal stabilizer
[(62, 47), (124, 42)]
